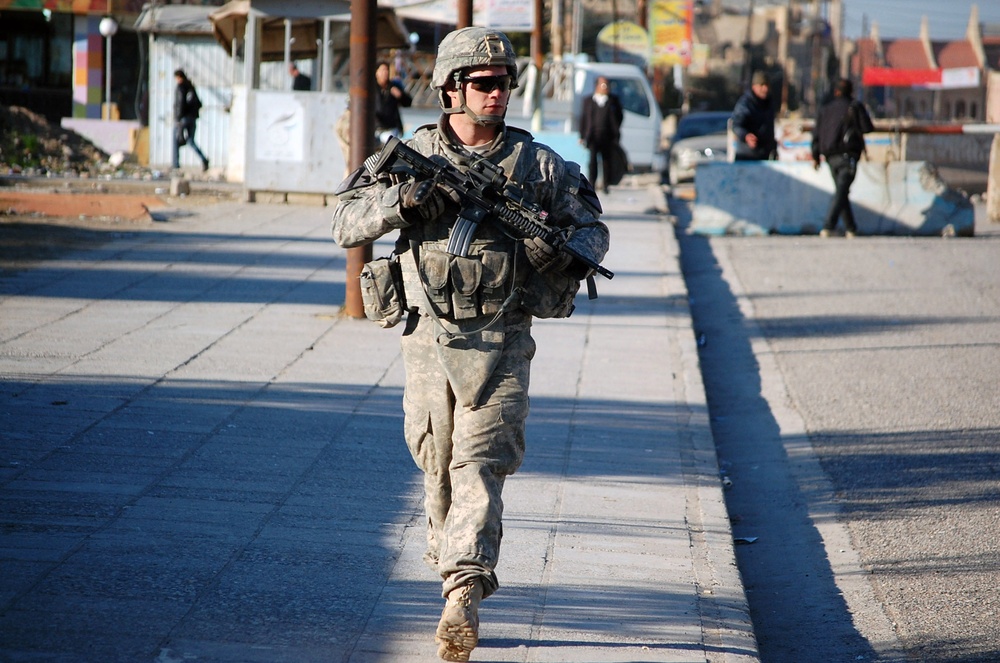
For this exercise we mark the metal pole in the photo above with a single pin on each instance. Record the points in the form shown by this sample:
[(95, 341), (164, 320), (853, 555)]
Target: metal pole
[(577, 39), (993, 182), (362, 82), (107, 82), (557, 27), (464, 14), (288, 43), (537, 115), (327, 68)]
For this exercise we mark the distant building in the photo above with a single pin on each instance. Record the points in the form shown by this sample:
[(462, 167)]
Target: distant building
[(925, 80), (53, 57)]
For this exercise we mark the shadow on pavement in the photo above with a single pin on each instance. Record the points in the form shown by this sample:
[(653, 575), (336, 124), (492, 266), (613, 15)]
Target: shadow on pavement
[(797, 610)]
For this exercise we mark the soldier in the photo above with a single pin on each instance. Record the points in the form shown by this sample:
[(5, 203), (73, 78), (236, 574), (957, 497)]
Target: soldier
[(467, 342)]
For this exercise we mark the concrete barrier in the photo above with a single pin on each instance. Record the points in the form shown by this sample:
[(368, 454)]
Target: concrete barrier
[(109, 136), (776, 197)]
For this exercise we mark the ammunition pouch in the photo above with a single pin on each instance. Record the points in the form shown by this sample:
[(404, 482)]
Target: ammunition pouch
[(457, 288), (382, 292)]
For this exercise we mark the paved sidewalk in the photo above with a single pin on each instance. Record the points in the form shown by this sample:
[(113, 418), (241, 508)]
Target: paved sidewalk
[(201, 460)]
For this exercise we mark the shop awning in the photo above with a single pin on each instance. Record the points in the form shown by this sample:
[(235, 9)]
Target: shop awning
[(307, 17)]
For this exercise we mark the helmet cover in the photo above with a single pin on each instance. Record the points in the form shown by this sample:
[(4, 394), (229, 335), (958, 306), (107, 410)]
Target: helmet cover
[(473, 47)]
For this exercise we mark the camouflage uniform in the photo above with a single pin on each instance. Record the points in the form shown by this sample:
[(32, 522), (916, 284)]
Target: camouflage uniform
[(466, 399)]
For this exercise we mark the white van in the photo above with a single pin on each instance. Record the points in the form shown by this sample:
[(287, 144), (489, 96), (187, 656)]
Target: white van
[(641, 126)]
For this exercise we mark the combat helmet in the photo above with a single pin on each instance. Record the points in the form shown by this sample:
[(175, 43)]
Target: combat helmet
[(466, 48)]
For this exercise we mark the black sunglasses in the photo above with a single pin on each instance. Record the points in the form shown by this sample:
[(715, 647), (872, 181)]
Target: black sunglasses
[(488, 83)]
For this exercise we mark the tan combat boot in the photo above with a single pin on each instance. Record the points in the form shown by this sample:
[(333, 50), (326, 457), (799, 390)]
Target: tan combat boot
[(458, 631)]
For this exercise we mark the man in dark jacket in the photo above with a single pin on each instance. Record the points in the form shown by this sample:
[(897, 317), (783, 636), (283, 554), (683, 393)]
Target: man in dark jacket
[(753, 122), (186, 108), (839, 138), (600, 129), (300, 82), (389, 96)]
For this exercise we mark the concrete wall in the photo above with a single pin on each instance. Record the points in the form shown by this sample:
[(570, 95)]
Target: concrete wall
[(757, 198), (108, 135), (291, 143)]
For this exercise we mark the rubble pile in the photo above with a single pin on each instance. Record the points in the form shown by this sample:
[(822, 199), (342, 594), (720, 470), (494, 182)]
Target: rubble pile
[(29, 144)]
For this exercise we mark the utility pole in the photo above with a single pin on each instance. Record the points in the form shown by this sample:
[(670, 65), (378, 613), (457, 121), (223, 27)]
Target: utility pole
[(538, 57), (362, 82), (747, 69), (558, 25), (464, 14)]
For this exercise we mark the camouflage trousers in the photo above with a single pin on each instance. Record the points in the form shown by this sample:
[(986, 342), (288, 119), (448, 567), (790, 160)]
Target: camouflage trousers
[(465, 451)]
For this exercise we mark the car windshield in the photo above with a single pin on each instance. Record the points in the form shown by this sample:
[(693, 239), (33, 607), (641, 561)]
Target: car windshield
[(701, 125)]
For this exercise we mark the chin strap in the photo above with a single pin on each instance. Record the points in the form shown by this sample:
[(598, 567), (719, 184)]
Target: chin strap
[(481, 120)]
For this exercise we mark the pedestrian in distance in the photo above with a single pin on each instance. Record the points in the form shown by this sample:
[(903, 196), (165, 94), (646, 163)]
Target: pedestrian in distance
[(300, 82), (467, 343), (753, 122), (187, 108), (600, 131), (389, 97), (838, 137)]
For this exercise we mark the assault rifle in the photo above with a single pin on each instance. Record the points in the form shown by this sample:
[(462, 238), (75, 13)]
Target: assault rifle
[(484, 194)]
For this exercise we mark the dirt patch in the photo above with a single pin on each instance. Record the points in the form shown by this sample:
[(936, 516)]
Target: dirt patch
[(121, 206)]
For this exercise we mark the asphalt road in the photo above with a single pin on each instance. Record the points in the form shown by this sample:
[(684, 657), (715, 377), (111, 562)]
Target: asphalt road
[(852, 386)]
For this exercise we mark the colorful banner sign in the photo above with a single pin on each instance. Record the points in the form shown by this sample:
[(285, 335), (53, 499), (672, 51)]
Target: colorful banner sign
[(670, 30), (66, 6)]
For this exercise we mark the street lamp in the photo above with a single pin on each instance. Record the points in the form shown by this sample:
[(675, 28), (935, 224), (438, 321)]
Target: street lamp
[(108, 28)]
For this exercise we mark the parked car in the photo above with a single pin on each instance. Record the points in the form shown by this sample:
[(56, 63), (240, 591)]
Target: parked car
[(700, 138)]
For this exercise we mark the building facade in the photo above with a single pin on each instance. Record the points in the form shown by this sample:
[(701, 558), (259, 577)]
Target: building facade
[(53, 57)]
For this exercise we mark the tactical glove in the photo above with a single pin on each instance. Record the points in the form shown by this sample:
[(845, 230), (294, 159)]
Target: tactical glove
[(423, 197), (544, 256)]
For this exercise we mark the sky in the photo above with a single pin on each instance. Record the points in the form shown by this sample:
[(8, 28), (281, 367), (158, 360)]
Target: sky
[(947, 19)]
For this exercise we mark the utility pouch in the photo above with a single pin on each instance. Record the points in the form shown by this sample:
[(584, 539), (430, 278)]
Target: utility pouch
[(382, 291), (434, 269), (548, 295), (465, 276)]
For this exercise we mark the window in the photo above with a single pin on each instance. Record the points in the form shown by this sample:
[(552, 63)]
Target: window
[(632, 95)]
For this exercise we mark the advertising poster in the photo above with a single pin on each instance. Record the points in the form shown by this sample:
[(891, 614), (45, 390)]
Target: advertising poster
[(624, 42), (670, 30)]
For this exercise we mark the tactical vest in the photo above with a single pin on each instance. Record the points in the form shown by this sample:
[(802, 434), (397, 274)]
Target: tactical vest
[(462, 288)]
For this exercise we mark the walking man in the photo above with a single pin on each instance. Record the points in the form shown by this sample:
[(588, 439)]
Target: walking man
[(600, 131), (839, 138), (389, 96), (187, 107), (467, 344)]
